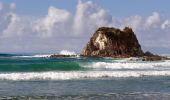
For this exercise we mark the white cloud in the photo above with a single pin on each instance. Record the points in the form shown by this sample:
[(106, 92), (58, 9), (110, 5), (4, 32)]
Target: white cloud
[(54, 23), (6, 14), (134, 21), (165, 25), (12, 27), (89, 16), (152, 20), (13, 6), (60, 29), (1, 6)]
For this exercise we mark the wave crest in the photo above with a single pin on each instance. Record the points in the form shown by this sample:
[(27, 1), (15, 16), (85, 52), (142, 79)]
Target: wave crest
[(66, 52), (128, 65), (34, 56), (79, 75)]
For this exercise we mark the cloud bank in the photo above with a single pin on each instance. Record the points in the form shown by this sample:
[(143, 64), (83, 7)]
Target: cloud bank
[(60, 29)]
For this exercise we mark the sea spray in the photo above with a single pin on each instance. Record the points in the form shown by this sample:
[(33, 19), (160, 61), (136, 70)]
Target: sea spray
[(66, 52)]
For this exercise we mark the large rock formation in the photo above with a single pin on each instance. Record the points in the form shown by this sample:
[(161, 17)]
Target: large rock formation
[(112, 42)]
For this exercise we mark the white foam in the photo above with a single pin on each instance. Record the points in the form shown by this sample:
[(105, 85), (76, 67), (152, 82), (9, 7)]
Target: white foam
[(127, 65), (79, 75), (34, 56), (41, 55), (66, 52)]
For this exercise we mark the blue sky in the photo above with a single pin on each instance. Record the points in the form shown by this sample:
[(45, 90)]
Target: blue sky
[(49, 26), (120, 8)]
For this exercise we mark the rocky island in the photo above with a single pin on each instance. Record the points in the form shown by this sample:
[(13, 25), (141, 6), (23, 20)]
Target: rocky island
[(116, 43), (113, 42)]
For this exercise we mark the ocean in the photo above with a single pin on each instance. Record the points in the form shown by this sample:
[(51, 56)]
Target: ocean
[(30, 76)]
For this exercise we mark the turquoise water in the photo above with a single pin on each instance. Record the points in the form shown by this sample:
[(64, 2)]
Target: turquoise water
[(12, 63), (39, 77), (36, 65)]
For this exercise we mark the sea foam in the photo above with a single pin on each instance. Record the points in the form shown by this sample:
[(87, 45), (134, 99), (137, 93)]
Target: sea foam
[(128, 65), (79, 75), (66, 52), (34, 56)]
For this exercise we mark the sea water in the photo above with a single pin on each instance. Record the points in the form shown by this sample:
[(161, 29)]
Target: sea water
[(40, 77)]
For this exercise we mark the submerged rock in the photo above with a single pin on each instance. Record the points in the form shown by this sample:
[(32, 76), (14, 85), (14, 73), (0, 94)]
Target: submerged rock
[(112, 42), (147, 53), (148, 56)]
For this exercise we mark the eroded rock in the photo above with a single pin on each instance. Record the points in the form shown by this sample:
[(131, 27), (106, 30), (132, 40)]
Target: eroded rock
[(112, 42)]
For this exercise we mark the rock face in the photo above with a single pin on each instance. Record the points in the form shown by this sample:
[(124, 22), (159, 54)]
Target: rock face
[(112, 42)]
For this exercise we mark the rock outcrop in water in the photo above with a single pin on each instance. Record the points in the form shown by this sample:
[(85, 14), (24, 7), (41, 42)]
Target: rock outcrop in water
[(113, 42)]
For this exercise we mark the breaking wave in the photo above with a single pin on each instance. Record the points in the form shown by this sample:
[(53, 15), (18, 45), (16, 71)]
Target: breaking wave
[(33, 56), (128, 65), (25, 55), (73, 68), (66, 52), (79, 75)]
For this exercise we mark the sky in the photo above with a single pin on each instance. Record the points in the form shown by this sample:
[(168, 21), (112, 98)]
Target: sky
[(49, 26)]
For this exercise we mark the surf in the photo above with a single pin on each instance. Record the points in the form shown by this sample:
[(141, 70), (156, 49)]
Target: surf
[(79, 75), (128, 65), (41, 67)]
